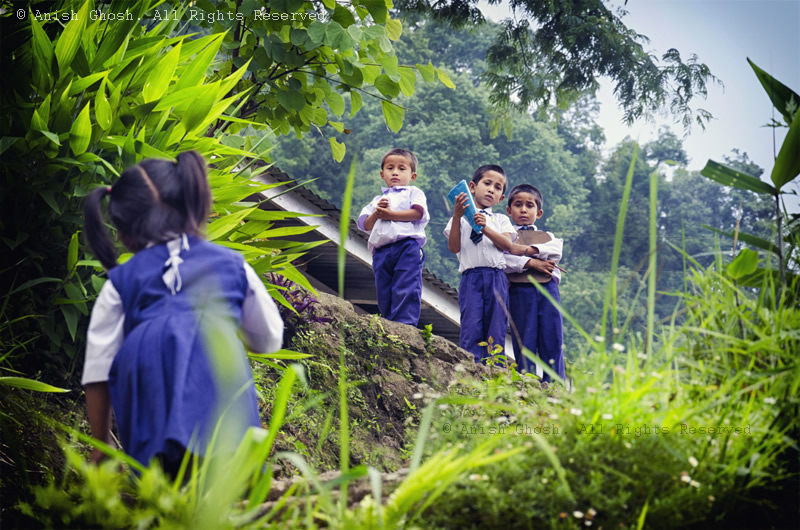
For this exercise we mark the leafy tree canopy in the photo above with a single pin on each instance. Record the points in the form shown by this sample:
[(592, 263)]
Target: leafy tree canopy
[(550, 52)]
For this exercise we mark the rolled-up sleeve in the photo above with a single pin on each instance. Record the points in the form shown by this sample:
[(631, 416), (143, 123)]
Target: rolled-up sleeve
[(262, 324), (105, 336)]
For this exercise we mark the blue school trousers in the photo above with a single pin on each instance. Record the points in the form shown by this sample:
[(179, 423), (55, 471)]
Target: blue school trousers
[(539, 325), (398, 280), (482, 298)]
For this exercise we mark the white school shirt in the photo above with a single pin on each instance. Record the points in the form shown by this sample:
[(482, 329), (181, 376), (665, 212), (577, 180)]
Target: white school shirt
[(107, 326), (485, 253), (547, 251), (386, 232)]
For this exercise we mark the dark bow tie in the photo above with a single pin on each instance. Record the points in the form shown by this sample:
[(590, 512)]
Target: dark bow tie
[(526, 227)]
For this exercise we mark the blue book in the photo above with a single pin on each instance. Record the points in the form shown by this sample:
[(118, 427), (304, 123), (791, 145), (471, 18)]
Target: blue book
[(469, 214)]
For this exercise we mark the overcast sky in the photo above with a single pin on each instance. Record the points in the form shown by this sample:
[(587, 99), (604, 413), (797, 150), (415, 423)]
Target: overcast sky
[(723, 34)]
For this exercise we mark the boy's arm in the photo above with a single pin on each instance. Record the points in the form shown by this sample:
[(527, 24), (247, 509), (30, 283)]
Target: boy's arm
[(552, 250), (387, 214), (454, 237), (366, 220)]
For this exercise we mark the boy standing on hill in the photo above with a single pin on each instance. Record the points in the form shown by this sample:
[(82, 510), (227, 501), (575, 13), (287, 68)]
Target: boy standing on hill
[(395, 221), (537, 321)]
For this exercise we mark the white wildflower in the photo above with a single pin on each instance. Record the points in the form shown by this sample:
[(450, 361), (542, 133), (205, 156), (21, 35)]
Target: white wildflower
[(770, 400), (575, 412), (686, 478), (641, 355), (587, 522), (693, 461), (607, 416), (577, 514), (475, 477), (617, 346), (694, 483), (553, 400), (553, 416), (599, 338)]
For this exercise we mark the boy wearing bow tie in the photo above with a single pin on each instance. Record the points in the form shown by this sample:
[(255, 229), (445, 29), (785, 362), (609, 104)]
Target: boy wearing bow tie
[(538, 323), (395, 221)]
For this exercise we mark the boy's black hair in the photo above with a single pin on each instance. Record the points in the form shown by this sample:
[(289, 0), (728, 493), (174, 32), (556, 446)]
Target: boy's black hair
[(526, 188), (412, 158), (152, 202), (476, 177)]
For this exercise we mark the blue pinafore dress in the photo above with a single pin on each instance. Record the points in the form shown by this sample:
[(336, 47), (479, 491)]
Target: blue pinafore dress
[(181, 366)]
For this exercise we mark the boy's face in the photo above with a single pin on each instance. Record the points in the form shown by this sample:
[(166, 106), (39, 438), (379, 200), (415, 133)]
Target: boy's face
[(488, 191), (396, 171), (523, 209)]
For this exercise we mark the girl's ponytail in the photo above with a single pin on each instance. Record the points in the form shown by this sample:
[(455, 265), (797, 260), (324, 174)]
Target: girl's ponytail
[(95, 228), (196, 190)]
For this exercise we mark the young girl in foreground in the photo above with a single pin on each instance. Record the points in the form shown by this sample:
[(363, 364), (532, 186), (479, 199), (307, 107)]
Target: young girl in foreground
[(162, 345)]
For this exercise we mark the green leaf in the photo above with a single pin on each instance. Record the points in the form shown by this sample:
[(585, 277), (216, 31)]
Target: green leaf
[(355, 32), (199, 110), (386, 86), (29, 384), (80, 134), (355, 102), (337, 149), (196, 71), (343, 16), (316, 31), (42, 57), (70, 39), (102, 108), (428, 72), (71, 318), (336, 102), (292, 100), (445, 79), (337, 37), (225, 225), (408, 77), (394, 28), (371, 71), (374, 32), (37, 123), (339, 126), (393, 114), (783, 97), (744, 264), (72, 254), (159, 78), (376, 8), (751, 240), (787, 164), (731, 177)]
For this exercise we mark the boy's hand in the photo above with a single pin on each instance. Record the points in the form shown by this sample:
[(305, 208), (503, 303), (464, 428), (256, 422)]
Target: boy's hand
[(460, 206), (480, 219), (545, 266), (383, 210)]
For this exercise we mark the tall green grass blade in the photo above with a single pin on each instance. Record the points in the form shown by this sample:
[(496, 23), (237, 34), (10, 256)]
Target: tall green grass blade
[(422, 434), (611, 292), (651, 272)]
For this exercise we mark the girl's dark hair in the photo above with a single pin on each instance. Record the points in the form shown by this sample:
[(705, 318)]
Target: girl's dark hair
[(526, 188), (476, 177), (152, 202)]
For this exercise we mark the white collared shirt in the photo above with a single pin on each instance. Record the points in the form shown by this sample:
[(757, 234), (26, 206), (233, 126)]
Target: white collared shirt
[(547, 251), (262, 326), (386, 232), (485, 253)]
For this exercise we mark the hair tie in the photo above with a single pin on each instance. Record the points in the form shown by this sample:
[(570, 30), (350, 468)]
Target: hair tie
[(108, 189)]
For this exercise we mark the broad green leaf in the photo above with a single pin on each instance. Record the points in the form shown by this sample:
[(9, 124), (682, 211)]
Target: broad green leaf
[(385, 45), (445, 79), (386, 86), (52, 137), (72, 254), (371, 72), (316, 31), (336, 102), (196, 71), (102, 108), (337, 37), (394, 28), (227, 224), (183, 99), (355, 32), (198, 112), (8, 141), (85, 82), (731, 177), (159, 78), (42, 57), (71, 318), (70, 38), (337, 149), (393, 114), (355, 102), (374, 32), (80, 134), (744, 264), (292, 100), (29, 384), (751, 240), (286, 230), (783, 97), (408, 77), (339, 126), (37, 123), (428, 72), (787, 164), (343, 16), (377, 8), (330, 4)]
